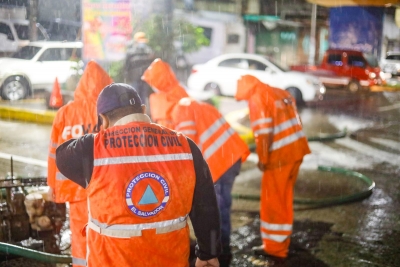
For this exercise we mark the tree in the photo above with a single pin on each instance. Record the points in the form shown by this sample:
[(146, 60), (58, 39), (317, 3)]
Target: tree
[(185, 38), (190, 36)]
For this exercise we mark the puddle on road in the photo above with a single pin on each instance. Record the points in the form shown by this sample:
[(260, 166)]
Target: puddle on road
[(321, 184), (306, 235), (314, 244), (311, 184), (361, 251)]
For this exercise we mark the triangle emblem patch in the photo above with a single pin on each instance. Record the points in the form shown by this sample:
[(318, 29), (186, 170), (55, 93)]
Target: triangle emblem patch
[(148, 197)]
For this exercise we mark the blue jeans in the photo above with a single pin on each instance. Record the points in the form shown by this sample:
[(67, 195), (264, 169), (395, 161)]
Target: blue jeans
[(223, 189)]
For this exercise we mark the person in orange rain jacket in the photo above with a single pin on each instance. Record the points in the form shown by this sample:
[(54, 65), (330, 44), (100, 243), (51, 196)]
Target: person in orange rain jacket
[(161, 77), (73, 120), (281, 146), (143, 182), (222, 147)]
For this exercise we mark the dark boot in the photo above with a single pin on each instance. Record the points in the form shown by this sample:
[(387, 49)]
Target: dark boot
[(225, 260), (259, 251)]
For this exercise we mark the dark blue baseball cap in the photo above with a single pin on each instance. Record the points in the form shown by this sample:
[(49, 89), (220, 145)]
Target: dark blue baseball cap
[(117, 95)]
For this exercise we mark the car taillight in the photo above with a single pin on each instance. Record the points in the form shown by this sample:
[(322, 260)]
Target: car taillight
[(193, 71)]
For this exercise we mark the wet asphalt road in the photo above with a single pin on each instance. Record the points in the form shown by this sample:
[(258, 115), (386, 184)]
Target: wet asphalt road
[(362, 233)]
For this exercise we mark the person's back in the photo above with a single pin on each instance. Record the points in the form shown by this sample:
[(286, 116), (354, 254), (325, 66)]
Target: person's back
[(281, 146), (138, 58), (273, 113), (161, 77), (73, 120), (142, 181), (203, 123), (222, 147), (200, 121), (158, 192)]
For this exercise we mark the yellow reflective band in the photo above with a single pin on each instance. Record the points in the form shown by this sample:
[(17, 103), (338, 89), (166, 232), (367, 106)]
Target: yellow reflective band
[(287, 140), (218, 143), (276, 238), (260, 121), (276, 227), (131, 230), (263, 131), (189, 132), (184, 124), (212, 130), (285, 125), (54, 145), (141, 159)]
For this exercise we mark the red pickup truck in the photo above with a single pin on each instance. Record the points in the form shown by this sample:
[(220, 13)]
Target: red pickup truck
[(352, 69)]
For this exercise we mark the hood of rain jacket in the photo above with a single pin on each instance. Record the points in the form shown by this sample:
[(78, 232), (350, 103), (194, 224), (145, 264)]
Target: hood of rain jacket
[(247, 86), (93, 80), (160, 76)]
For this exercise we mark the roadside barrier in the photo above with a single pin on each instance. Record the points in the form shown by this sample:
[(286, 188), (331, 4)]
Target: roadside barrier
[(21, 114)]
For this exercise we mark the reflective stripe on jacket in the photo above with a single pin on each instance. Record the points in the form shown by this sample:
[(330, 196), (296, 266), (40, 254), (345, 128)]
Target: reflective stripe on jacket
[(72, 121), (275, 122), (140, 195), (220, 144)]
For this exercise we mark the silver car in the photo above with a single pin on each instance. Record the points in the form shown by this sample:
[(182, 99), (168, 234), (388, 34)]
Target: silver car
[(391, 64), (220, 75), (36, 66)]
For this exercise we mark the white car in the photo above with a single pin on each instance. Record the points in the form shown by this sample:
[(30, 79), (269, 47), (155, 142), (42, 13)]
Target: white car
[(391, 64), (221, 74), (36, 66), (14, 33)]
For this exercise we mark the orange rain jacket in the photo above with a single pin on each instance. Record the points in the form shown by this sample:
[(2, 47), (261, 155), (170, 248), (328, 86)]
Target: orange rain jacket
[(160, 76), (275, 122), (281, 146), (220, 144), (149, 197), (74, 120)]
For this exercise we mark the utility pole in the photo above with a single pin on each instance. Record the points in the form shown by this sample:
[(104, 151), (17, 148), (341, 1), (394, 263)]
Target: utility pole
[(168, 17), (33, 13), (311, 55)]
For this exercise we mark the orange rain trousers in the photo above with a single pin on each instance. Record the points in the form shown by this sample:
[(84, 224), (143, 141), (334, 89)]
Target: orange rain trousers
[(78, 216), (277, 207)]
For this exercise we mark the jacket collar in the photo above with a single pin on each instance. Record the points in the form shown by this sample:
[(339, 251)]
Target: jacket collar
[(139, 117)]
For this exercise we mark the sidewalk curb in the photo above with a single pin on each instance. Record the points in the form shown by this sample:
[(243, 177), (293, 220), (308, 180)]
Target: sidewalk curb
[(27, 115)]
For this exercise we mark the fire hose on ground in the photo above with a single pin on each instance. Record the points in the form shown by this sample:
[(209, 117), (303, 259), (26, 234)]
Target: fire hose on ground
[(10, 249), (327, 201)]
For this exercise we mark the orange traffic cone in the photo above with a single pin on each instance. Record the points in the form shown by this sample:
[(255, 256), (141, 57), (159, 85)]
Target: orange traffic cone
[(56, 100)]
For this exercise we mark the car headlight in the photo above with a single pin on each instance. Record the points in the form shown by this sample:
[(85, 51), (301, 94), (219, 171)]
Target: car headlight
[(384, 76), (322, 89), (372, 75)]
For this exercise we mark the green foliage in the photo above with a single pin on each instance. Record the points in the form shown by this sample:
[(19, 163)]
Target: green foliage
[(116, 71), (191, 37), (159, 30)]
